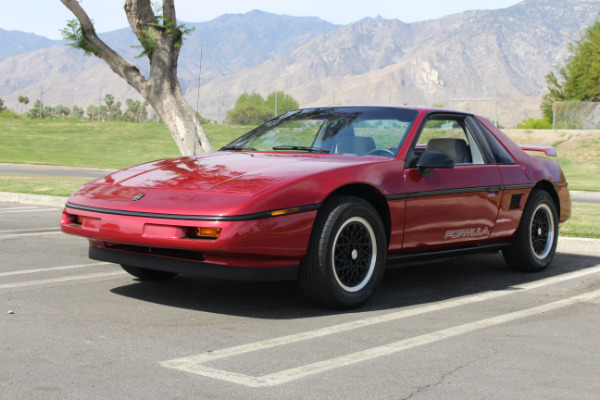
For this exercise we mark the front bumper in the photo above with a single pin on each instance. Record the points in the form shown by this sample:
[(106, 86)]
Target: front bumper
[(191, 267), (278, 241)]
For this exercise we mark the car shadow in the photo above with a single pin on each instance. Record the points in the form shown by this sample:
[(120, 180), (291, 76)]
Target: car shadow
[(402, 287)]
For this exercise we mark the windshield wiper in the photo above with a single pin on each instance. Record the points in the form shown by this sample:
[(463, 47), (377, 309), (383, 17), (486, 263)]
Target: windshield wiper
[(237, 148), (302, 148)]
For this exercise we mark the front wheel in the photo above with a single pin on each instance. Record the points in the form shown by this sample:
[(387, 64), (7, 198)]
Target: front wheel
[(146, 274), (533, 247), (346, 255)]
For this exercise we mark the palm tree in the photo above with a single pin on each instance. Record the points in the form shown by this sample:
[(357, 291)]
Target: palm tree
[(23, 100)]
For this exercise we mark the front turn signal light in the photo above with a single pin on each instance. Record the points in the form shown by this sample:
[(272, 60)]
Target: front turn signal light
[(285, 211), (207, 233)]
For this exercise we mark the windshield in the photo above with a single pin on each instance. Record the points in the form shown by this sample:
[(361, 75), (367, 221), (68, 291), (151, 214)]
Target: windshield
[(338, 130)]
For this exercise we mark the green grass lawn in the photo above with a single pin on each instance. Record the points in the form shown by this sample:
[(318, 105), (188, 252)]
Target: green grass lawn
[(584, 221), (92, 144), (581, 175), (37, 184)]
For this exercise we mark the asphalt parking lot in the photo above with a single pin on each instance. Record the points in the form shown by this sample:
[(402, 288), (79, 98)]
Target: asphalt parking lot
[(72, 328)]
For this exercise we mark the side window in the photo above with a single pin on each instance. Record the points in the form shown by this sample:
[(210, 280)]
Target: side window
[(451, 136)]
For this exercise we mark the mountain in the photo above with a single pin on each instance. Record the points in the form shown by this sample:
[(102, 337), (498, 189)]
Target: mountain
[(14, 43), (229, 44), (468, 55), (473, 54)]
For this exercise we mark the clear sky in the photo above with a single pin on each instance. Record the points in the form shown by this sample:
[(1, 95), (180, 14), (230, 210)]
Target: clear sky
[(47, 17)]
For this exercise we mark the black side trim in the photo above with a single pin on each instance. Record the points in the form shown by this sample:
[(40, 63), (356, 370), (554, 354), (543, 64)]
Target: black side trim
[(456, 191), (449, 192), (516, 187), (196, 268), (396, 197), (431, 255), (245, 217)]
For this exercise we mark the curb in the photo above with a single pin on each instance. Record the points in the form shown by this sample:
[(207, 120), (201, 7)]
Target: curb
[(589, 195), (577, 245), (33, 199)]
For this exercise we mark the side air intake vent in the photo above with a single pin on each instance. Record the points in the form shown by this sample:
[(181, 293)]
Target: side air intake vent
[(515, 202)]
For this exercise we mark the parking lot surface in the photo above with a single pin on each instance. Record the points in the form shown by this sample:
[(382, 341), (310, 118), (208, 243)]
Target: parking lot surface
[(468, 328)]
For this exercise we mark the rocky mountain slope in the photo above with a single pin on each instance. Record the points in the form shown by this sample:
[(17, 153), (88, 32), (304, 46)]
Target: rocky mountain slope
[(468, 55), (229, 44), (14, 43)]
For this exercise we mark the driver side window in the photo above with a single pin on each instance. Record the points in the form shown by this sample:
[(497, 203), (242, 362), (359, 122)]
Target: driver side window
[(450, 136)]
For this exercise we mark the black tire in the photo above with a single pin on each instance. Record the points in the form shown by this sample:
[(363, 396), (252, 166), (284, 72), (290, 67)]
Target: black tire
[(146, 274), (346, 256), (533, 247)]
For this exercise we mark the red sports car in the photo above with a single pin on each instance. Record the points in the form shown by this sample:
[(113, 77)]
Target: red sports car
[(329, 196)]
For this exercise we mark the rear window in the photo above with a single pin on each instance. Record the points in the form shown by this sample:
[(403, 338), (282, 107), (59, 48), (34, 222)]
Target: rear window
[(500, 154)]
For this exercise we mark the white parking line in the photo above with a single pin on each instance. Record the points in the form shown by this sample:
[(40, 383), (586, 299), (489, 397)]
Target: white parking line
[(50, 228), (293, 374), (62, 268), (30, 234), (193, 364), (18, 208), (59, 280)]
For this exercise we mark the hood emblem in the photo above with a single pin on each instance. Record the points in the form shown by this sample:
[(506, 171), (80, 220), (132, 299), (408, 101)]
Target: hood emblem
[(137, 196)]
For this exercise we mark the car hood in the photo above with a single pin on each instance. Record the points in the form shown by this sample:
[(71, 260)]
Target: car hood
[(220, 183)]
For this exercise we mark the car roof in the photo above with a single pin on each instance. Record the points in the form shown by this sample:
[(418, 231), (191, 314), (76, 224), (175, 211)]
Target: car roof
[(423, 109)]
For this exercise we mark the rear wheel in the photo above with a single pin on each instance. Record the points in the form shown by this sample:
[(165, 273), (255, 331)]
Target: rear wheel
[(346, 255), (146, 274), (533, 247)]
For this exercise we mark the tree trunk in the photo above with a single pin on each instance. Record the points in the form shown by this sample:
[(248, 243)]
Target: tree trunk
[(182, 122), (161, 44)]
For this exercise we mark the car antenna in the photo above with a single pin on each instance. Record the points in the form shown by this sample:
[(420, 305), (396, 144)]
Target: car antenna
[(198, 98)]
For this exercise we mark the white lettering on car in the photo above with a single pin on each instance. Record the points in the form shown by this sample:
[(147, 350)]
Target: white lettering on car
[(466, 232)]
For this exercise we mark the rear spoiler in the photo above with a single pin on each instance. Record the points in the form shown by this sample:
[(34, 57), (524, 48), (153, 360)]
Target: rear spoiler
[(548, 150)]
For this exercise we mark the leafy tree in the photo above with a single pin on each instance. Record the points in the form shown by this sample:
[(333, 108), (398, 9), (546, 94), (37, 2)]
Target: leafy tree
[(161, 39), (285, 103), (579, 79), (39, 111), (23, 100), (60, 111), (2, 108), (111, 111), (531, 123), (253, 109), (116, 112), (249, 109), (92, 112), (136, 111), (77, 112), (109, 99)]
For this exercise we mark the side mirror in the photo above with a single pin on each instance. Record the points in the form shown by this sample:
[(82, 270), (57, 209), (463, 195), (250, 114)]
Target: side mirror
[(431, 160)]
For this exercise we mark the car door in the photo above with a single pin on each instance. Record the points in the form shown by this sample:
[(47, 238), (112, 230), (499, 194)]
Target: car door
[(449, 206)]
